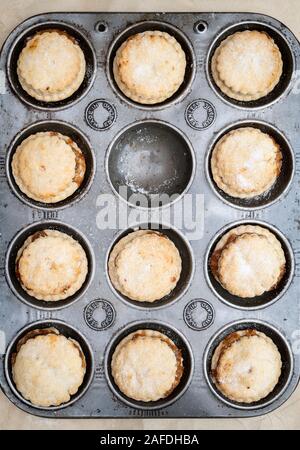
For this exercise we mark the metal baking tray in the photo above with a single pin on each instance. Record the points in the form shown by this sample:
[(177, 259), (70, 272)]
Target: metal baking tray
[(106, 125)]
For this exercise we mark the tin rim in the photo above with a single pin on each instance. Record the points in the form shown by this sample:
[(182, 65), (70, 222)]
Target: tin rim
[(288, 254), (90, 74), (82, 340), (189, 148), (246, 323), (167, 300), (163, 327), (17, 242), (179, 36), (86, 149), (226, 198), (240, 26)]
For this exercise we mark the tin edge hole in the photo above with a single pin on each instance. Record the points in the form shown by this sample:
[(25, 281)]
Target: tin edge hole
[(200, 27), (101, 27)]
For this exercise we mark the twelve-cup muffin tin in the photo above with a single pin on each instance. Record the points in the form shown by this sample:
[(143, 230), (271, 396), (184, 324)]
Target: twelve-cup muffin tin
[(183, 129)]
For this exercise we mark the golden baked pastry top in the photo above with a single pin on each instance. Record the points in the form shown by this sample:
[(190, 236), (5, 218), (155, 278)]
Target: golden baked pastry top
[(51, 66), (149, 67), (247, 65)]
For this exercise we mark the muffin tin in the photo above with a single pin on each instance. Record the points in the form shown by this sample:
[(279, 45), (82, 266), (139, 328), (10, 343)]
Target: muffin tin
[(106, 125)]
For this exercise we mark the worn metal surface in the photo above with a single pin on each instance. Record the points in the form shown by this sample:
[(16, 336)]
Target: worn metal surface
[(200, 114)]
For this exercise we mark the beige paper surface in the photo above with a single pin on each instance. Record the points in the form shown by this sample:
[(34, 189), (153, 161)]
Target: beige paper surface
[(14, 11)]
